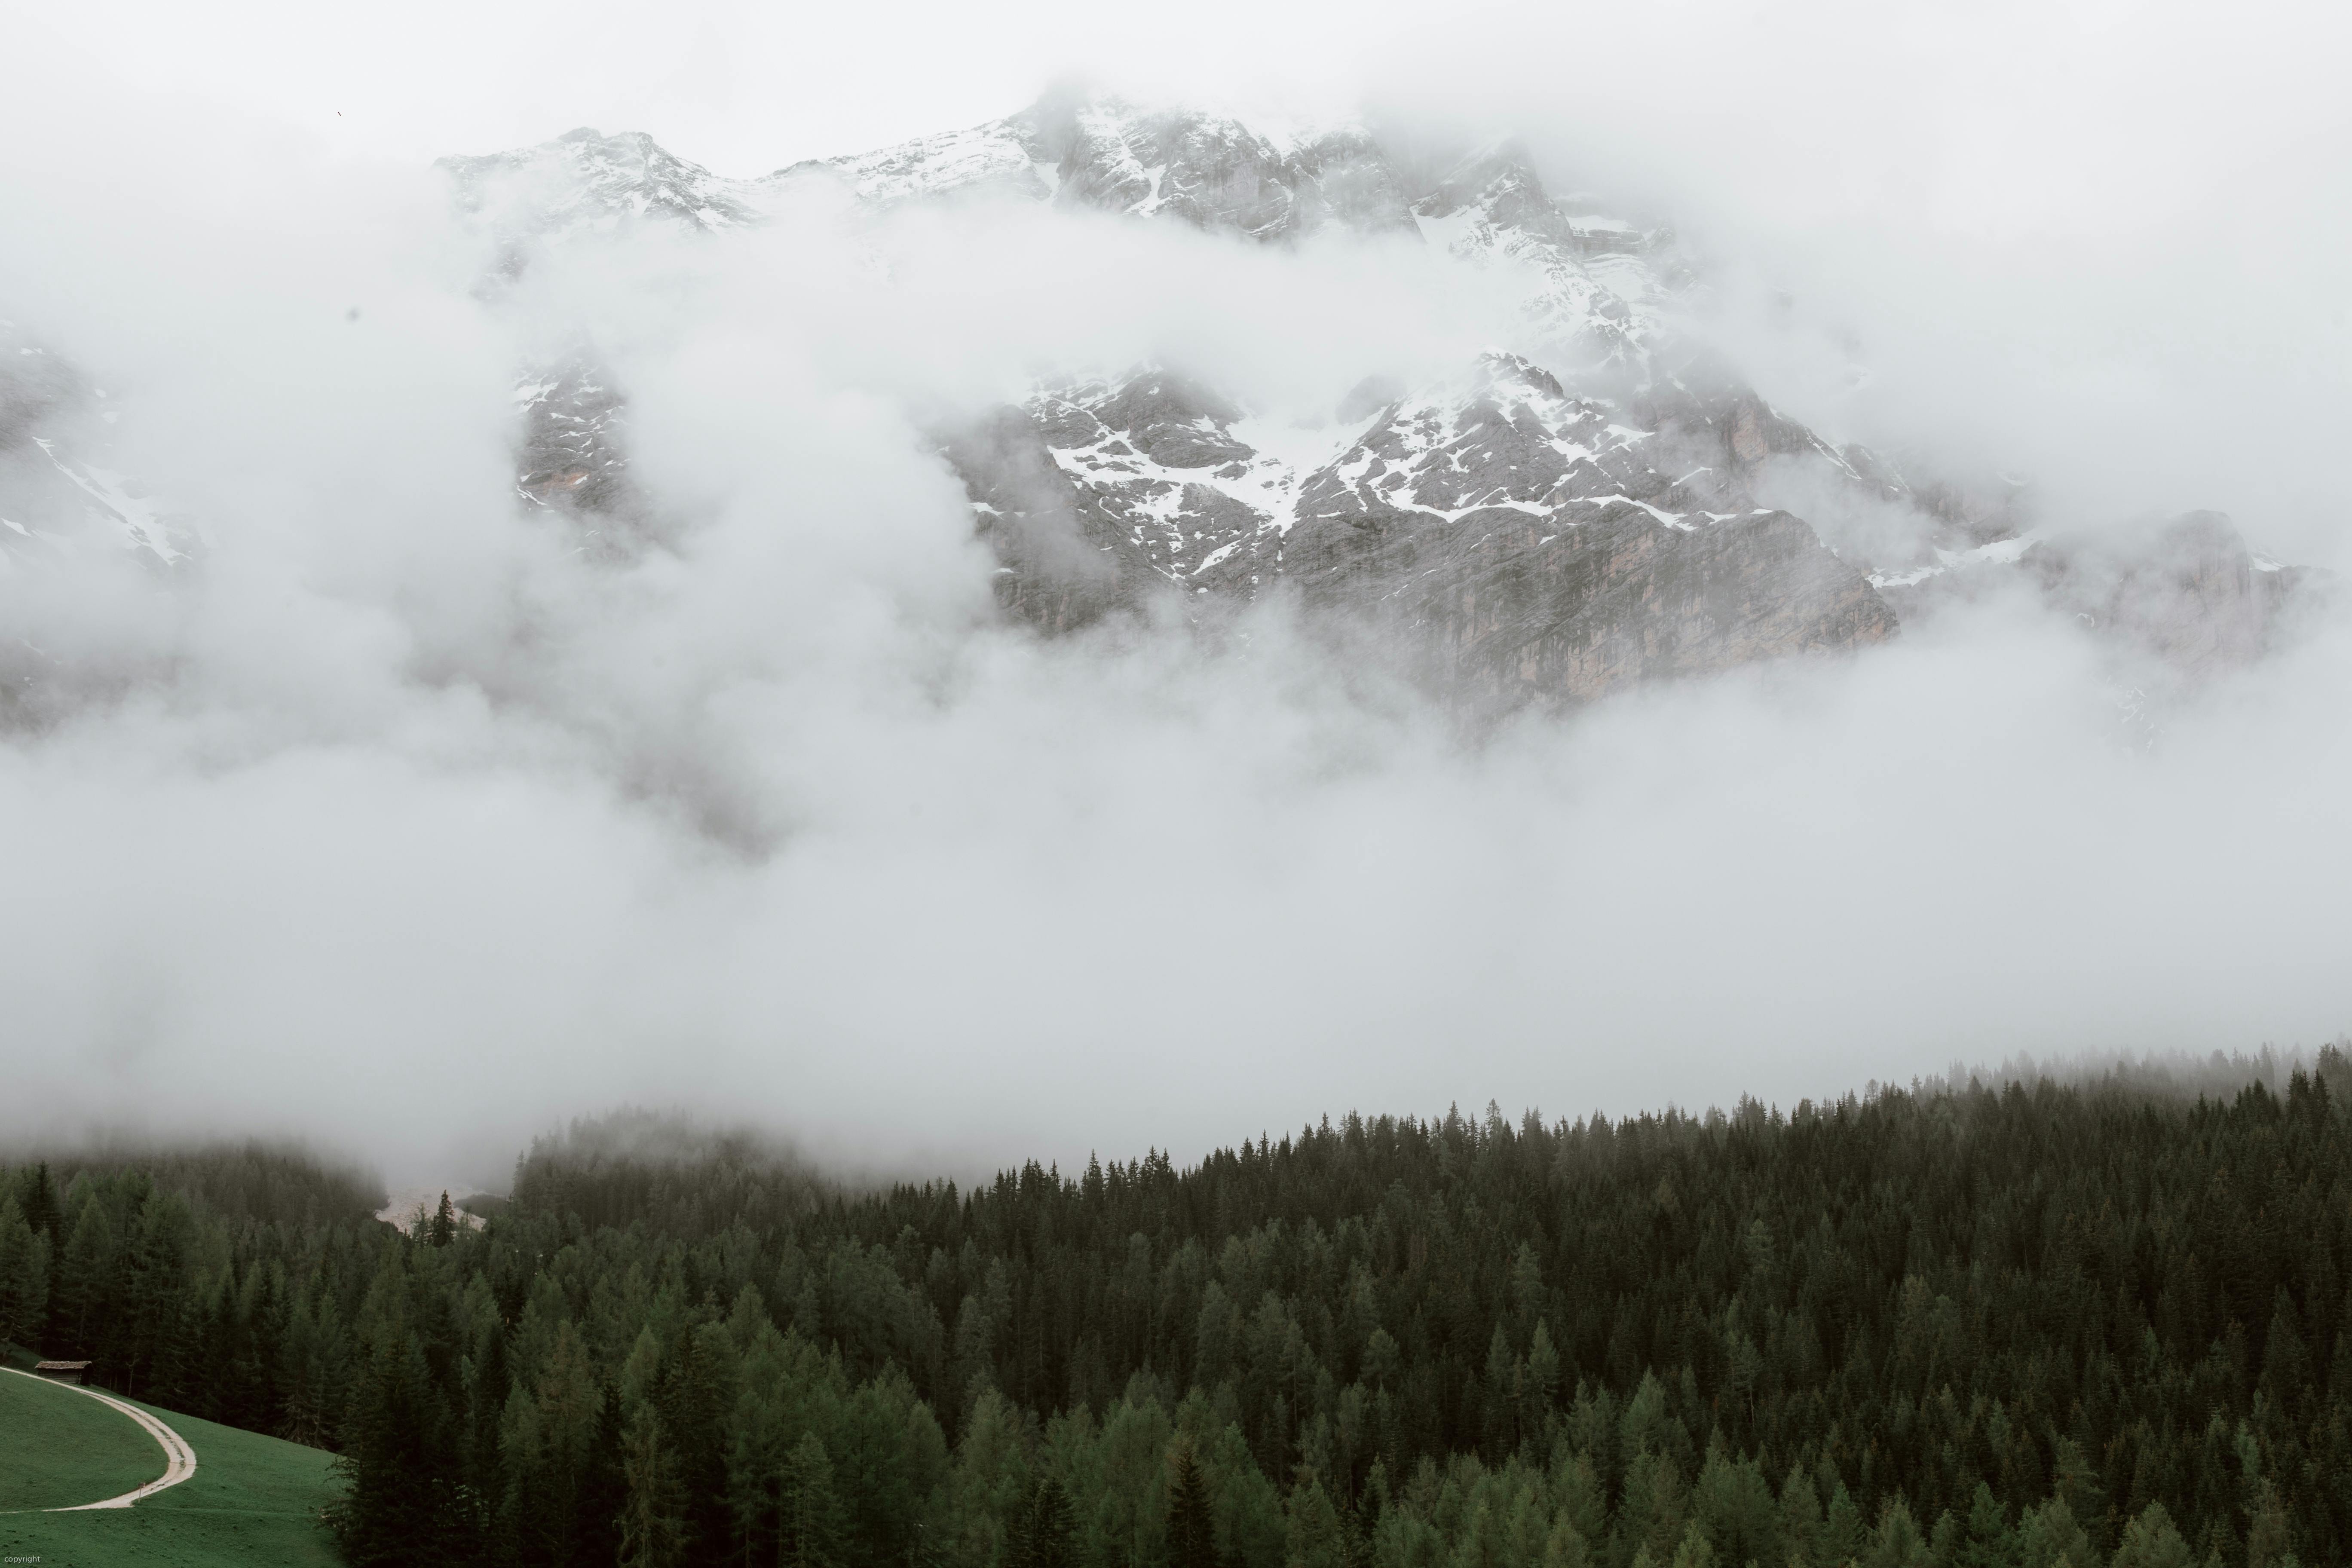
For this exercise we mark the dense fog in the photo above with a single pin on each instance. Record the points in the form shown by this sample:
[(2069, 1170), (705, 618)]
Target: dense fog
[(392, 819)]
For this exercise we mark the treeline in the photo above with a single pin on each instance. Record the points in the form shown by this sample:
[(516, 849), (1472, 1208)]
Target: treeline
[(269, 1184), (221, 1281), (2092, 1324)]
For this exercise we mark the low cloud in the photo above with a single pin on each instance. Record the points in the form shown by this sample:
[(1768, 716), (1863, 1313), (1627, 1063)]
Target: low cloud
[(396, 821)]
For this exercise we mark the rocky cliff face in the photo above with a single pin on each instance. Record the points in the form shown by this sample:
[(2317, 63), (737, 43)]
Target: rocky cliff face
[(1523, 542), (2188, 590), (1596, 503)]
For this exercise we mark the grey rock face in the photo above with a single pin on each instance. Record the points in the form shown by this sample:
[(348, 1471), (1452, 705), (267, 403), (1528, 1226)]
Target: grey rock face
[(1216, 173), (1064, 560), (572, 456), (1206, 170), (1517, 539), (1523, 537), (2186, 590), (1510, 612)]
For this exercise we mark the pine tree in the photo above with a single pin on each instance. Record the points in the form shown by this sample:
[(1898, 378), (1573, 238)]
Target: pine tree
[(1046, 1534), (155, 1279), (692, 1406), (40, 1205), (394, 1512), (2268, 1535), (24, 1277), (758, 1443), (1503, 1395), (1735, 1507), (82, 1290), (1313, 1536), (2152, 1541), (1567, 1547), (1896, 1543), (653, 1504), (1694, 1551), (814, 1525), (1801, 1516), (1543, 1373), (444, 1228), (1192, 1528), (1985, 1539), (603, 1492)]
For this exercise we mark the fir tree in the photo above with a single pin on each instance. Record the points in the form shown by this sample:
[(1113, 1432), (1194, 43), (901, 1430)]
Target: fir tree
[(1192, 1528), (1313, 1536), (1046, 1533), (812, 1522), (1543, 1371), (40, 1204), (653, 1504), (82, 1293), (24, 1277), (1985, 1539), (397, 1508), (2151, 1541), (603, 1492)]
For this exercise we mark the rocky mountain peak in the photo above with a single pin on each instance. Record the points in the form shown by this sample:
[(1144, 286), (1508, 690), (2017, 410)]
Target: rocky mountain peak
[(1586, 504), (587, 183)]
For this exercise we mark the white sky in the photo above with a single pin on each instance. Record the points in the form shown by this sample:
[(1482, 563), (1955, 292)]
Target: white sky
[(2107, 212), (742, 87), (2099, 242), (2005, 101)]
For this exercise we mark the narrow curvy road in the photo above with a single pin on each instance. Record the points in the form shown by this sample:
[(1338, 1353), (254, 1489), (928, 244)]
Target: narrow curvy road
[(179, 1460)]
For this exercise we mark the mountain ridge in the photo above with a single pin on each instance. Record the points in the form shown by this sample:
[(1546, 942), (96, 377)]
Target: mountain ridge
[(1596, 502), (1098, 496)]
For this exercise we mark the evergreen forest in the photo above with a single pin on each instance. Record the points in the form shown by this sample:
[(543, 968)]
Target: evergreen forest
[(2099, 1321)]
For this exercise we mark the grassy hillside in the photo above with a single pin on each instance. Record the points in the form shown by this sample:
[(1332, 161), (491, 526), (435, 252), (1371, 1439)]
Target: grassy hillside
[(253, 1502), (60, 1448)]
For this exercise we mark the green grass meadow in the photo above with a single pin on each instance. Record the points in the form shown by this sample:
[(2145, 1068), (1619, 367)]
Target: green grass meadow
[(253, 1502), (58, 1448)]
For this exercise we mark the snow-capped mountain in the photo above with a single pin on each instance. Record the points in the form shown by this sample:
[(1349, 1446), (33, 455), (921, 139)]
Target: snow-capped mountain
[(1539, 537), (1588, 273), (583, 182), (1531, 536), (1596, 501)]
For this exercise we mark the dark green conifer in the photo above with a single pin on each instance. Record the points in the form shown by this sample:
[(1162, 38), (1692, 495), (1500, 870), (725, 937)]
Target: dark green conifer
[(40, 1204), (1045, 1535), (1192, 1528), (813, 1524), (653, 1532)]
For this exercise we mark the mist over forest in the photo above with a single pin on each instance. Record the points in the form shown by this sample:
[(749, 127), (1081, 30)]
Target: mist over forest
[(356, 775), (2005, 1319)]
